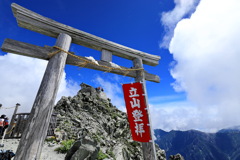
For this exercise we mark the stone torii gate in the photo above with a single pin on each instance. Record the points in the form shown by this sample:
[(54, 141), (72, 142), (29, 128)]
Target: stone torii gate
[(31, 143)]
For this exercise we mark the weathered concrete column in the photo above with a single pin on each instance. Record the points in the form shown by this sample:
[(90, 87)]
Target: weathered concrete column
[(148, 148), (34, 134)]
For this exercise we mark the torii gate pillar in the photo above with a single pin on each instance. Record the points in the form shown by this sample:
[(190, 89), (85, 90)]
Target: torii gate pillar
[(148, 148), (34, 134)]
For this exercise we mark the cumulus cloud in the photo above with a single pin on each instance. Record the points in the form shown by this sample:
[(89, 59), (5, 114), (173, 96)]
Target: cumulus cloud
[(113, 90), (20, 78), (206, 50), (174, 115), (169, 19), (183, 115)]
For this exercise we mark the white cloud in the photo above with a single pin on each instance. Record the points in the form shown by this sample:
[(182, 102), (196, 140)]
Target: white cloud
[(171, 18), (113, 90), (68, 87), (207, 53), (175, 115), (20, 78), (183, 115)]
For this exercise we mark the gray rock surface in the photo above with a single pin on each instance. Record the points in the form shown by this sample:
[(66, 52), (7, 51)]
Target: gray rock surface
[(84, 149), (97, 126), (176, 157)]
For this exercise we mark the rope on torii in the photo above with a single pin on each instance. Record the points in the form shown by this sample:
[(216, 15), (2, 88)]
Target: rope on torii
[(6, 107), (82, 64)]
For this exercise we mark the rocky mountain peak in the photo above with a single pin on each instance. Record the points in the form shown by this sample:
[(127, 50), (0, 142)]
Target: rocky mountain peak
[(98, 127)]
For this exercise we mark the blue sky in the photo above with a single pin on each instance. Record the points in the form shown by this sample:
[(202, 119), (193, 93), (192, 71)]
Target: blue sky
[(182, 97), (133, 24)]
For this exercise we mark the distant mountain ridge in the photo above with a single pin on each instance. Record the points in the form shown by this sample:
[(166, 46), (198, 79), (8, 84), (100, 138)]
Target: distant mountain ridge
[(197, 145), (230, 129)]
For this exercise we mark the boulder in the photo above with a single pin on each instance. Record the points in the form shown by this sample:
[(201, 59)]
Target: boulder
[(85, 149)]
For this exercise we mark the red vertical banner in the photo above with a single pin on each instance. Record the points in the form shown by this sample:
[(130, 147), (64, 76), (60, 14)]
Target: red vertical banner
[(137, 111)]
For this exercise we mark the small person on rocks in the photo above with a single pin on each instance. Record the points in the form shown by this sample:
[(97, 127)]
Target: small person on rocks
[(5, 124), (1, 125), (98, 89)]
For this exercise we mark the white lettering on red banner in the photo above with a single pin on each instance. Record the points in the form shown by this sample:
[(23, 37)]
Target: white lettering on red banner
[(139, 128), (137, 113), (135, 103)]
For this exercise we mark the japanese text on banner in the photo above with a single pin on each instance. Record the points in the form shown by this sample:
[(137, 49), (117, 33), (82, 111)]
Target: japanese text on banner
[(137, 111)]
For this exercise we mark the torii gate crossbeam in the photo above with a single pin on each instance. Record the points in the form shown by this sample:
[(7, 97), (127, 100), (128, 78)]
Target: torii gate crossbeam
[(30, 50)]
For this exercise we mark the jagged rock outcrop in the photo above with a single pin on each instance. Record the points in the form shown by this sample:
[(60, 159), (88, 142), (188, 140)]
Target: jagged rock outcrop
[(91, 114), (176, 157)]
